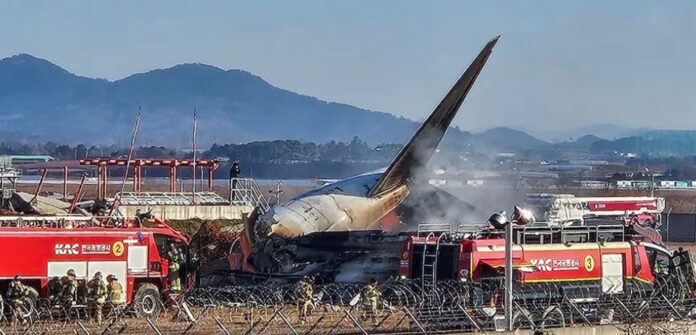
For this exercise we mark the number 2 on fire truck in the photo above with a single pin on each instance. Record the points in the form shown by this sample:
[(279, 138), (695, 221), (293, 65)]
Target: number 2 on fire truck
[(118, 248)]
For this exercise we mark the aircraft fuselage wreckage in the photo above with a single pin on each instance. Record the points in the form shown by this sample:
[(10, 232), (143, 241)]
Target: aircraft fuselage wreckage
[(328, 229)]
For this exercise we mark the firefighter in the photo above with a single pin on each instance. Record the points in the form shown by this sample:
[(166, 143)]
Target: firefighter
[(235, 171), (96, 296), (114, 291), (370, 295), (55, 288), (175, 259), (661, 267), (305, 297), (17, 294), (69, 292)]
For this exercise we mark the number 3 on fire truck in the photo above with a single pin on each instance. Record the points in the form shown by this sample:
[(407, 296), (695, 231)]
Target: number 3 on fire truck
[(117, 248), (589, 263)]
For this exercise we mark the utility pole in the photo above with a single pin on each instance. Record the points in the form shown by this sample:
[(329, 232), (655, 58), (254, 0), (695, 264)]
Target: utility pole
[(652, 181), (652, 184)]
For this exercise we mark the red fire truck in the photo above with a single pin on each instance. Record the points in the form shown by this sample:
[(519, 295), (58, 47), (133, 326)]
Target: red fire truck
[(587, 261), (42, 248)]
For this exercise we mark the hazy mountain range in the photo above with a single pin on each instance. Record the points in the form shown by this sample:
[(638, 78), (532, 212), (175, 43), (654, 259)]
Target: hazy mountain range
[(41, 101), (605, 131)]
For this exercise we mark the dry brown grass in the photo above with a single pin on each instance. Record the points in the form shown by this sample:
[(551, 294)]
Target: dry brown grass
[(686, 245), (235, 321)]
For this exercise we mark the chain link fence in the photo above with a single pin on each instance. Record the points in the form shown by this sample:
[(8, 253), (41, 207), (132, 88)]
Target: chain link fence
[(404, 308)]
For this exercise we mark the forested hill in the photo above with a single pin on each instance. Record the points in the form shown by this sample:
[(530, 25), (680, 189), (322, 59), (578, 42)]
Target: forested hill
[(657, 143), (42, 101)]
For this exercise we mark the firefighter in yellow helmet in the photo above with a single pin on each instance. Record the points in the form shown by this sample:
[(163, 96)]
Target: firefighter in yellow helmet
[(96, 296), (69, 293), (370, 296), (114, 291), (175, 260)]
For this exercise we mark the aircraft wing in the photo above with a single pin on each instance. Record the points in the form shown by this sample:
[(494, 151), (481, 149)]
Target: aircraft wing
[(422, 145)]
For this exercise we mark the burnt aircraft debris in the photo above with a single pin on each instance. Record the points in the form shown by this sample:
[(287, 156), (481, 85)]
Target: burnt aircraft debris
[(272, 240)]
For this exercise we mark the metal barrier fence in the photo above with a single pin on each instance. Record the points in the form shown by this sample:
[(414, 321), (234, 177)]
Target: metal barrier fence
[(453, 307), (245, 191)]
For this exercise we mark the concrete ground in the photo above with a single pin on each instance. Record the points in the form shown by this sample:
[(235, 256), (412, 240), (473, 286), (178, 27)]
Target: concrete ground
[(603, 330), (644, 328)]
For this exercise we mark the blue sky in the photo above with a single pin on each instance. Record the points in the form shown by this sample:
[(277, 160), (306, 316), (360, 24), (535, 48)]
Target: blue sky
[(559, 64)]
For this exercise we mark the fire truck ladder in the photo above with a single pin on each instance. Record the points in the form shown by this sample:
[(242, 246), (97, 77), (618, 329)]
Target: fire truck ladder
[(429, 264)]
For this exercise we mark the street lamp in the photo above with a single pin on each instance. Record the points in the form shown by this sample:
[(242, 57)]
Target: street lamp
[(508, 276), (498, 220)]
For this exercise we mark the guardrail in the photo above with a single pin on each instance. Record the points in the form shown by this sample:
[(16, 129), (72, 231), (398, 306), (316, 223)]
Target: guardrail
[(245, 191)]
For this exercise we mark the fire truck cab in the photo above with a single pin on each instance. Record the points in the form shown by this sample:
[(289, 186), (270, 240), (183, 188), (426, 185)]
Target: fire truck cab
[(42, 249)]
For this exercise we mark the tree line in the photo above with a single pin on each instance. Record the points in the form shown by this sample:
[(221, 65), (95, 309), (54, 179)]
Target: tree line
[(278, 152), (292, 151)]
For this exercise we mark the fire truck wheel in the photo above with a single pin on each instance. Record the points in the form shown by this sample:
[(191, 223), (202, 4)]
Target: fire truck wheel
[(147, 300)]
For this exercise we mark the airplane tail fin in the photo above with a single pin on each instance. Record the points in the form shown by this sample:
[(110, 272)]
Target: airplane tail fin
[(423, 144)]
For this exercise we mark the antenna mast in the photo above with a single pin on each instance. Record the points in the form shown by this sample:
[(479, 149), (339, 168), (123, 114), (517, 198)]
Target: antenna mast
[(193, 193), (117, 202)]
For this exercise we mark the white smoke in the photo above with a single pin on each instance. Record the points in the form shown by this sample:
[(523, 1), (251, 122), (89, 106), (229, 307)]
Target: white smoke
[(451, 167)]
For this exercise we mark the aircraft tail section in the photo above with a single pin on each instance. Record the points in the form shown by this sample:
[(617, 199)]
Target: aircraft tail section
[(422, 145)]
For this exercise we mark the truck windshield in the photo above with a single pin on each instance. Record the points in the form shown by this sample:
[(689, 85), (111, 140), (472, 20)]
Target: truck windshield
[(659, 261), (164, 244)]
